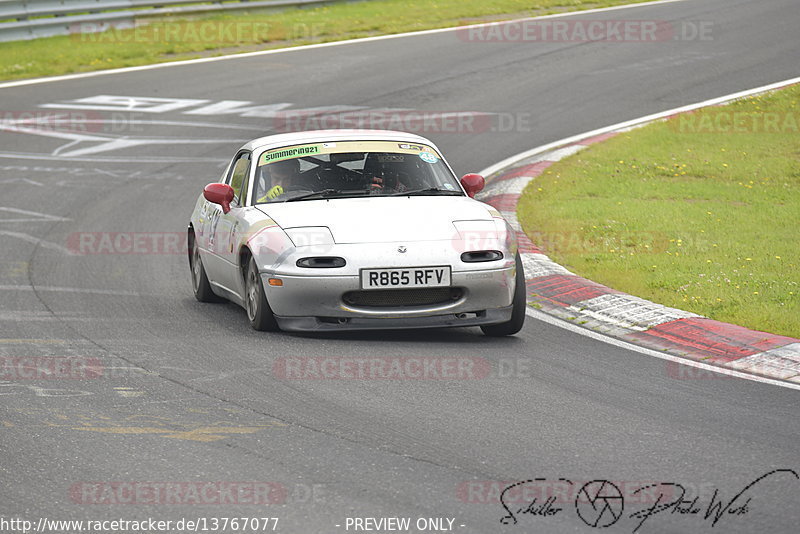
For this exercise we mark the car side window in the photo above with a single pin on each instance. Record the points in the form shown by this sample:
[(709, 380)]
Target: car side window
[(237, 178)]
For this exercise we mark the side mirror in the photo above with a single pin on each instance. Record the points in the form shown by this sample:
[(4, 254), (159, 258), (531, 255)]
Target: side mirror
[(221, 194), (473, 184)]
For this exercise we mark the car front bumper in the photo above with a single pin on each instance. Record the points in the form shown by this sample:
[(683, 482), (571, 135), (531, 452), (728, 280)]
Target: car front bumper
[(317, 303), (316, 323)]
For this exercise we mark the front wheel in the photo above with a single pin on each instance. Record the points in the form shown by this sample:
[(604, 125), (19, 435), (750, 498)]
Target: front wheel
[(514, 325), (200, 283), (258, 311)]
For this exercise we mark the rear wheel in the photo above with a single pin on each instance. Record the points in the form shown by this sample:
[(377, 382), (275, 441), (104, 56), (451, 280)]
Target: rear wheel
[(258, 311), (518, 311), (200, 283)]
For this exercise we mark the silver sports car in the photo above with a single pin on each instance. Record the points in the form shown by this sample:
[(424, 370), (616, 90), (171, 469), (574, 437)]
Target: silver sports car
[(354, 230)]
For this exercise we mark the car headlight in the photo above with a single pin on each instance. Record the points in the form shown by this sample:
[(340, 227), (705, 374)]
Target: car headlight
[(316, 240), (478, 235)]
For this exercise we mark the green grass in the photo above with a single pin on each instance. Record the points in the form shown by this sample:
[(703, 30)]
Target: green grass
[(173, 39), (686, 214)]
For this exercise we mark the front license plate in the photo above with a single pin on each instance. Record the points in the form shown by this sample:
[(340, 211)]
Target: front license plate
[(410, 277)]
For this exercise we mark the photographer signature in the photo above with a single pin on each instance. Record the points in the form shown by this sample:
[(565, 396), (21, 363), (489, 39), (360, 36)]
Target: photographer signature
[(601, 504)]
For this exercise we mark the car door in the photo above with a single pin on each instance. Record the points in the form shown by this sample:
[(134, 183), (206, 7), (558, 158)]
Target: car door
[(207, 214), (222, 265)]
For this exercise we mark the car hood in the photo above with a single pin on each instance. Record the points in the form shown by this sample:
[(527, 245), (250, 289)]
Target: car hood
[(380, 220)]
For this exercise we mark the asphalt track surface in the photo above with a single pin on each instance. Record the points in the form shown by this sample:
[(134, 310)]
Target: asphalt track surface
[(195, 397)]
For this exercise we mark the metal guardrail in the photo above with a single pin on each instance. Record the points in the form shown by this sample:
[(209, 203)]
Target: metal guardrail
[(31, 19)]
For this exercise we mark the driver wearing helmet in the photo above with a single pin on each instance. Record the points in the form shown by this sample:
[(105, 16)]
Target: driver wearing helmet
[(280, 176), (388, 173)]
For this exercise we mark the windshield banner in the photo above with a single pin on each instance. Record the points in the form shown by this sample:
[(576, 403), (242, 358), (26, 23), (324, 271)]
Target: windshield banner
[(299, 151)]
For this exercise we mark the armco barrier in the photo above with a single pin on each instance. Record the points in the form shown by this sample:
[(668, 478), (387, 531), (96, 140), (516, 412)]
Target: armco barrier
[(31, 19)]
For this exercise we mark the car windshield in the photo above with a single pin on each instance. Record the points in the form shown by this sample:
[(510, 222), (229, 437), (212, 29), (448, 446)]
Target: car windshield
[(351, 169)]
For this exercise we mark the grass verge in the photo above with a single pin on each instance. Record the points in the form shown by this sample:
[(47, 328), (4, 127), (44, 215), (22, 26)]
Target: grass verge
[(700, 212), (180, 38)]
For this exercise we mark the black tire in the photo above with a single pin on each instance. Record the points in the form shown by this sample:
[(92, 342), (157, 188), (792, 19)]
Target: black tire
[(258, 311), (200, 284), (514, 325)]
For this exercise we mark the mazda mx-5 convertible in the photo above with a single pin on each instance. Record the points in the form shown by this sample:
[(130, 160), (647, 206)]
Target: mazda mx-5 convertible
[(354, 230)]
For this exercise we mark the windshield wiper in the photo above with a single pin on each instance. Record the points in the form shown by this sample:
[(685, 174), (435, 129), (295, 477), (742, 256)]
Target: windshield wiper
[(426, 191), (323, 193)]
